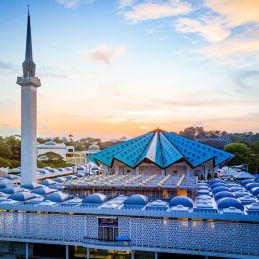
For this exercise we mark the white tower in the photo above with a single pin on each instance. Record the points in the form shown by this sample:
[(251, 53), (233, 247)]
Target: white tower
[(29, 84)]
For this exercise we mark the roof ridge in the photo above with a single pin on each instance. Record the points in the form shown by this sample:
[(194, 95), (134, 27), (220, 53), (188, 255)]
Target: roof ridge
[(161, 147), (144, 149)]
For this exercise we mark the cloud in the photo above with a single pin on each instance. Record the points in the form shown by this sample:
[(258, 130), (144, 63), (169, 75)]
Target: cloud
[(5, 125), (54, 72), (210, 28), (104, 53), (230, 27), (240, 51), (151, 10), (70, 4), (6, 65), (248, 82), (125, 3), (236, 12)]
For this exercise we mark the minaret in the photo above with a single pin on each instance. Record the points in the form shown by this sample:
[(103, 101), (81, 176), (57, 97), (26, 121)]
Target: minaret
[(29, 84)]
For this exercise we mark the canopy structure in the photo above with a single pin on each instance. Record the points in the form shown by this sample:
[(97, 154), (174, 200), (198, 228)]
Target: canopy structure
[(161, 148)]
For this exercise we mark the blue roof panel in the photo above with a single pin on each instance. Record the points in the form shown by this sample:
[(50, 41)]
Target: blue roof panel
[(169, 152), (161, 148), (133, 150)]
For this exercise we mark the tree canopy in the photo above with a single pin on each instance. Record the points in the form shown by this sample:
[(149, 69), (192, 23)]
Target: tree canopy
[(241, 151)]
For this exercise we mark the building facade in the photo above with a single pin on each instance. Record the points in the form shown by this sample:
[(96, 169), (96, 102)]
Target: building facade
[(58, 148)]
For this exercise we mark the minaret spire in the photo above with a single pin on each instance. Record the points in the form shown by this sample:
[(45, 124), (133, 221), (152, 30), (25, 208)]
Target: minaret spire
[(28, 64), (29, 84)]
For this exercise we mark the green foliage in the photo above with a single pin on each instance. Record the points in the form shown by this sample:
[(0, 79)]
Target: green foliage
[(57, 140), (4, 162), (14, 144), (14, 163), (5, 151), (41, 140), (51, 159), (241, 151), (50, 156), (254, 161), (79, 147), (41, 164)]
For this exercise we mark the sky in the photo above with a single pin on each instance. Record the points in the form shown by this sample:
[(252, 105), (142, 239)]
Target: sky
[(121, 68)]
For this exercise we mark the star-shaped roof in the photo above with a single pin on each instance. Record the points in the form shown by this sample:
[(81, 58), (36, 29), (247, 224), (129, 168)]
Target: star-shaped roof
[(161, 148)]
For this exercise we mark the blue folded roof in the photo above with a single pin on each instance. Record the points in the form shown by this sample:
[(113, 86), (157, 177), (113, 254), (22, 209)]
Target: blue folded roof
[(161, 148)]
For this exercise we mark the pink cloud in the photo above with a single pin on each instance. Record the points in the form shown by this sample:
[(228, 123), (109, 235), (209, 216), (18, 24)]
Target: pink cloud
[(104, 53), (155, 10)]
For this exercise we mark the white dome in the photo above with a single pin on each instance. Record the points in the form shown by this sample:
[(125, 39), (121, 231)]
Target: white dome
[(50, 143), (94, 147)]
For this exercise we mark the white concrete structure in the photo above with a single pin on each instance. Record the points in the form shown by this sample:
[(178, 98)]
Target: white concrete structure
[(29, 84), (58, 148)]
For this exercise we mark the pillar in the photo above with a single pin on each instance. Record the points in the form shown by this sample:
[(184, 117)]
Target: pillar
[(188, 171), (88, 253), (206, 170), (137, 170), (67, 252), (156, 255), (26, 250), (132, 254), (117, 169)]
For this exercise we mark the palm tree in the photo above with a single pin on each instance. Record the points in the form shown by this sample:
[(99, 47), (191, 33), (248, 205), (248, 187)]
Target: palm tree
[(71, 137)]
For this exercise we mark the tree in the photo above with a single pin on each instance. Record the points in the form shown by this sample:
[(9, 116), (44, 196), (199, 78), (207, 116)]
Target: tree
[(41, 164), (52, 159), (57, 140), (50, 156), (5, 151), (4, 162), (79, 147), (253, 165), (14, 144), (188, 133), (41, 140), (71, 137), (14, 163), (241, 151)]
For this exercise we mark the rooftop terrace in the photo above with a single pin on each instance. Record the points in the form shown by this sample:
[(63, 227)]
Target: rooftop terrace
[(218, 199)]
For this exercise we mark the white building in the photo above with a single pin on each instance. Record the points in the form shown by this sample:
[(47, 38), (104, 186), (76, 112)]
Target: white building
[(58, 148)]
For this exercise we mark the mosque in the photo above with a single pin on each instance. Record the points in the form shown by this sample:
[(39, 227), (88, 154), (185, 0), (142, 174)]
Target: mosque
[(162, 153), (137, 209)]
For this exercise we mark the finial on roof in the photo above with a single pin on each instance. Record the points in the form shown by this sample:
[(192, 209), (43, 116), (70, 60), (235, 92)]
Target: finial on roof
[(28, 65)]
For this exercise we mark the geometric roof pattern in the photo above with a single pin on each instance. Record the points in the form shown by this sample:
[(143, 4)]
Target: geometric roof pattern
[(161, 148)]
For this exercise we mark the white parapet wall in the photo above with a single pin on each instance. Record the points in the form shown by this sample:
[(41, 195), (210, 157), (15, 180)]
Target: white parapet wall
[(163, 234)]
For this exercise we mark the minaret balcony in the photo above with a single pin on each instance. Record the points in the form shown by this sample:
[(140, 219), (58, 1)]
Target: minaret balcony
[(23, 81)]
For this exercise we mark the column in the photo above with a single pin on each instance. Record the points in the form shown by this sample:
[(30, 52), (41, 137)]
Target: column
[(132, 254), (28, 134), (163, 172), (117, 169), (88, 253), (26, 250), (137, 170), (206, 170), (188, 171), (67, 252), (156, 255)]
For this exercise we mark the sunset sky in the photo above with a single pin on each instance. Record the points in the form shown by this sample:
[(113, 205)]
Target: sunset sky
[(121, 68)]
